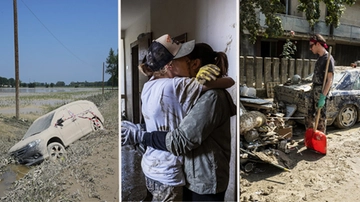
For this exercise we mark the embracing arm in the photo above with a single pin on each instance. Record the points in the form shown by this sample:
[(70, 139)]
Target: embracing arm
[(206, 115), (224, 82)]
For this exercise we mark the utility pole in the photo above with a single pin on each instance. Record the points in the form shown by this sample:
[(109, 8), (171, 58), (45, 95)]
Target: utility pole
[(103, 78), (16, 60)]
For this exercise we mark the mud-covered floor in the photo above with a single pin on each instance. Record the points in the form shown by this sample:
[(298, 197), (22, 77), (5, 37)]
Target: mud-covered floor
[(132, 178)]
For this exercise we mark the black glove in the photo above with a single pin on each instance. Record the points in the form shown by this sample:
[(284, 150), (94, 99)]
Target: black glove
[(131, 134)]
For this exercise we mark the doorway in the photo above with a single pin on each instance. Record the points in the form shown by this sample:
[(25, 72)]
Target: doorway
[(138, 52)]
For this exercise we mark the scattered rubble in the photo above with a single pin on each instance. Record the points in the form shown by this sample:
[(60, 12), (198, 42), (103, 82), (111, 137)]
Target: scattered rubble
[(263, 138)]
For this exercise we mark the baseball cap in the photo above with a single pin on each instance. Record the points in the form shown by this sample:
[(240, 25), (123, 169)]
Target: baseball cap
[(164, 49)]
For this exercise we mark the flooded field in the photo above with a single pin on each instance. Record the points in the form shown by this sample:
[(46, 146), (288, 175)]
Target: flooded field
[(36, 100), (32, 104)]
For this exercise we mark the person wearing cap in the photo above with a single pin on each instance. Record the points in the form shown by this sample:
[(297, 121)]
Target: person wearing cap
[(203, 136), (318, 94), (166, 99)]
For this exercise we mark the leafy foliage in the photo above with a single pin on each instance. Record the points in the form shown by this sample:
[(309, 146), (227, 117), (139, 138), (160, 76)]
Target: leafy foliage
[(335, 9), (249, 21), (112, 67), (311, 9), (289, 49)]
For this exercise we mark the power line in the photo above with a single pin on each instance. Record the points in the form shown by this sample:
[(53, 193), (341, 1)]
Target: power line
[(52, 33)]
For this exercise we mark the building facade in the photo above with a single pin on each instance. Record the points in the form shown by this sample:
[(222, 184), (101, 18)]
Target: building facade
[(345, 39)]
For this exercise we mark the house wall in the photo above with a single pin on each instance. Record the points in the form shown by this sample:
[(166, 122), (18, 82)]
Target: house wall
[(351, 15), (345, 39), (142, 25), (200, 20)]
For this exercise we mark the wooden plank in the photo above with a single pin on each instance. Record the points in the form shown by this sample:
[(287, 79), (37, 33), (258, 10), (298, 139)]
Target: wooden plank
[(242, 70), (291, 67), (275, 70), (257, 106), (312, 65), (306, 68), (299, 67), (267, 70), (249, 71), (270, 88), (259, 72), (283, 70)]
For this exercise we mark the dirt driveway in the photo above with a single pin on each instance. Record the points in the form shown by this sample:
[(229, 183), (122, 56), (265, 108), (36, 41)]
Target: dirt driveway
[(89, 173), (313, 177)]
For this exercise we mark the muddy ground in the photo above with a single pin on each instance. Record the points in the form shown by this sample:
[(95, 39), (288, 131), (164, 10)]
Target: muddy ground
[(89, 173), (313, 177)]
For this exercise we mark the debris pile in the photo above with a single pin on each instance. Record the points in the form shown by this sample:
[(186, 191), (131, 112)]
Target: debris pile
[(263, 139)]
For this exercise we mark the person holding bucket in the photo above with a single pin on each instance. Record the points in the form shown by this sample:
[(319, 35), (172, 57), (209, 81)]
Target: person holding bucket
[(317, 99)]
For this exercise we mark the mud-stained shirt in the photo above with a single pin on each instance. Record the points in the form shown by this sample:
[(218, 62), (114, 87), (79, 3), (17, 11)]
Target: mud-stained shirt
[(320, 67), (165, 102)]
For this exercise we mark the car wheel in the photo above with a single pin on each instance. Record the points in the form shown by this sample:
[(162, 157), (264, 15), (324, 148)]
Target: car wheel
[(347, 117), (56, 151), (97, 124)]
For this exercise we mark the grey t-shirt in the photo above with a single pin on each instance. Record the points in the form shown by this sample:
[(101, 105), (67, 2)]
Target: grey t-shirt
[(320, 67)]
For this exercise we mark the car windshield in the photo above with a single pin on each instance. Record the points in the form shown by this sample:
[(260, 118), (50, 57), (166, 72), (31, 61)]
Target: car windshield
[(337, 78), (39, 125)]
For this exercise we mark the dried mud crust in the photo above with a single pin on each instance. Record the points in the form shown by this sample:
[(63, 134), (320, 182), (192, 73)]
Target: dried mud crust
[(313, 176), (90, 172)]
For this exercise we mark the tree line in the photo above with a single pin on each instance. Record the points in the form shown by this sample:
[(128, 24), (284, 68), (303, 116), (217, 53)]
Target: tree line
[(4, 82), (112, 68)]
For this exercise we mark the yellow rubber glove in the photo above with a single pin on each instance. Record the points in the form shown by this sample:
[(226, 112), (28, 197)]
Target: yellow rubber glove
[(207, 73)]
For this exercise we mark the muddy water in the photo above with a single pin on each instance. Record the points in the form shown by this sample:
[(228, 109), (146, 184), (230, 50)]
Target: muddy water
[(35, 105), (26, 91), (132, 178), (11, 173)]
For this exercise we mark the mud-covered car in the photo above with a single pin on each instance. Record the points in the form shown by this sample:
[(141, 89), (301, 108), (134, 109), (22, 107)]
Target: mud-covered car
[(51, 133), (343, 99)]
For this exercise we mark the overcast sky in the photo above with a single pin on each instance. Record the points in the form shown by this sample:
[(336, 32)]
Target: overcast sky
[(59, 40)]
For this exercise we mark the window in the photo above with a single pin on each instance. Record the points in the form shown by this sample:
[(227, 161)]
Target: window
[(286, 3)]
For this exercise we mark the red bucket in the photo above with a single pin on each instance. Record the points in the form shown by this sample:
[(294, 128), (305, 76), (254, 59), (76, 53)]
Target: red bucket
[(315, 140)]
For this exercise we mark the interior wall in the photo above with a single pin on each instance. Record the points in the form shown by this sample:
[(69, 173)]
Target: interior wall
[(173, 17), (130, 36), (219, 32), (200, 20)]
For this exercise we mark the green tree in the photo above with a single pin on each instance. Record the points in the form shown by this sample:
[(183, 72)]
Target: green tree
[(4, 81), (249, 22), (60, 83), (289, 49), (112, 67), (335, 9), (32, 85), (12, 82)]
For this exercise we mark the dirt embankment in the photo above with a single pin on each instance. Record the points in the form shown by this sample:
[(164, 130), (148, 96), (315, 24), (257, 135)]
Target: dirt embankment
[(89, 173), (313, 177)]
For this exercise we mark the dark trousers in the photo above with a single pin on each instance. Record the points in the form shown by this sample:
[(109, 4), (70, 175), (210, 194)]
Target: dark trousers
[(312, 110), (189, 195)]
